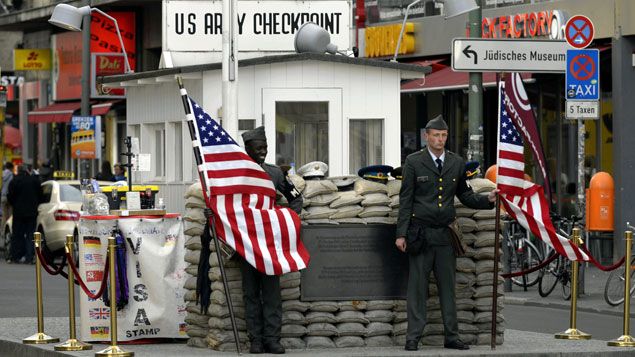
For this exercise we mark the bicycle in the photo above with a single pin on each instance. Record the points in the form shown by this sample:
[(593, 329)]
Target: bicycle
[(523, 255), (614, 288), (559, 270)]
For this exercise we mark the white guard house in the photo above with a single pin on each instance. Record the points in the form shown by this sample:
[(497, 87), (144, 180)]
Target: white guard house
[(341, 110)]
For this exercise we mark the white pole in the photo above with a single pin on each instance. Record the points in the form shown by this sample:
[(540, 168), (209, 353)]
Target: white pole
[(230, 70)]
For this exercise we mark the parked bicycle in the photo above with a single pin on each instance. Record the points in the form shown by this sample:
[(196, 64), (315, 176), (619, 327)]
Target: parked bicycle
[(559, 270), (523, 254), (614, 288)]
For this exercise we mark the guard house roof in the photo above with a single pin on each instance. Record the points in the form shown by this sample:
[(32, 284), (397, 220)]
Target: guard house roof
[(408, 71)]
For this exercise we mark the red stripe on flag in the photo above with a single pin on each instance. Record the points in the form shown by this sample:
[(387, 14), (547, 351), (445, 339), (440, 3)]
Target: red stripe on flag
[(505, 171), (227, 156), (509, 155), (236, 189), (237, 173), (231, 219), (251, 233), (271, 246)]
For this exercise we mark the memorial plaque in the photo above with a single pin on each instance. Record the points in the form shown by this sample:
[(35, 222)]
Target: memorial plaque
[(353, 262)]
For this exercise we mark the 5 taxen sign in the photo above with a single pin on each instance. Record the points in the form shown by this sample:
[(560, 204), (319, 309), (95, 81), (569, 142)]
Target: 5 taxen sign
[(583, 75)]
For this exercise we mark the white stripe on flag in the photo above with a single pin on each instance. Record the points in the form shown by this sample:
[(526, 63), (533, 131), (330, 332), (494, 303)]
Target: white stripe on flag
[(232, 181), (260, 232), (277, 234), (293, 248), (241, 223), (511, 181), (229, 165), (512, 164), (519, 149)]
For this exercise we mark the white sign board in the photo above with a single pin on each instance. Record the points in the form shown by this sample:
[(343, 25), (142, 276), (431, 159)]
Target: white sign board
[(583, 109), (500, 55), (262, 25)]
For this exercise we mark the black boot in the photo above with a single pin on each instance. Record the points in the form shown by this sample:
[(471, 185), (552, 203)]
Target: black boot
[(274, 347)]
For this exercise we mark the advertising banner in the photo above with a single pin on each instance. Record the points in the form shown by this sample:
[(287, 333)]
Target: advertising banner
[(106, 64), (155, 267), (262, 25), (33, 59), (86, 137)]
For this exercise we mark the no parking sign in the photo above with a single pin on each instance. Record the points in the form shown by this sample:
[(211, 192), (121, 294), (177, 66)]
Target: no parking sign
[(583, 75)]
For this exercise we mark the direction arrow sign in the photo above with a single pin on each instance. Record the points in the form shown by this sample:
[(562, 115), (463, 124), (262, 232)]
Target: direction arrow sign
[(501, 55)]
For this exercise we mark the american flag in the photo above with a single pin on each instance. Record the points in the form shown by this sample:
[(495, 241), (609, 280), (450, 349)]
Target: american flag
[(524, 200), (242, 197)]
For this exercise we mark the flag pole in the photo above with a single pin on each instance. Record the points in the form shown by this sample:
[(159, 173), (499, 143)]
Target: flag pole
[(209, 214), (496, 258)]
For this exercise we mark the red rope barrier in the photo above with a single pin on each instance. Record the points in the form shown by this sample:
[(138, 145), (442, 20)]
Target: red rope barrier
[(531, 270), (57, 270), (600, 266), (102, 287)]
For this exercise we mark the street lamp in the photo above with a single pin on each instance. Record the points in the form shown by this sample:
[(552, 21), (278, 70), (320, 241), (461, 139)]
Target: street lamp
[(70, 18)]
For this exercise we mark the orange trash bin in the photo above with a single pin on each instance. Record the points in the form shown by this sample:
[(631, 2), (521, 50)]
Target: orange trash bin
[(601, 203)]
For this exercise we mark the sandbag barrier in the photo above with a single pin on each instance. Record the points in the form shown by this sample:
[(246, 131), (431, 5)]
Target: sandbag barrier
[(332, 324)]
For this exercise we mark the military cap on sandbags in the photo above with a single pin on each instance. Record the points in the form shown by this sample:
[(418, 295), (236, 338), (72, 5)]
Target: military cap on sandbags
[(472, 168), (313, 169), (397, 173), (344, 182), (437, 123), (255, 134), (375, 172)]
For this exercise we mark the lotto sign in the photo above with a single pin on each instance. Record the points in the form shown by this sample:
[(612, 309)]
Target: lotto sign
[(583, 75), (579, 31)]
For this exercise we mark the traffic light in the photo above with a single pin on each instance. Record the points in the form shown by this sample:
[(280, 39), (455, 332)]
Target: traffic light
[(3, 96)]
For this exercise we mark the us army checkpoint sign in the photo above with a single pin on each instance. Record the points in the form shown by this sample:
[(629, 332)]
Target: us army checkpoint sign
[(502, 55)]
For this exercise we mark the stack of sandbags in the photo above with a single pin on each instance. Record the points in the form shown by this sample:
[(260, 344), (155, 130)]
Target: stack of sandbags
[(194, 223), (478, 232), (376, 202), (393, 187)]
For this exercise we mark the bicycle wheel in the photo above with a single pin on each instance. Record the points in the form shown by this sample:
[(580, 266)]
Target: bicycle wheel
[(614, 288), (549, 277), (523, 259), (565, 279)]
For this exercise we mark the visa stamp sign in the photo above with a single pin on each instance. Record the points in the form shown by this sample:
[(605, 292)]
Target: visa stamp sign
[(500, 55), (196, 26)]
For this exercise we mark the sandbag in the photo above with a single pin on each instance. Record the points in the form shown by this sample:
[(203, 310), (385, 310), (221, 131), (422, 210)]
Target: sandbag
[(375, 199), (318, 342), (195, 190), (348, 341), (293, 343), (351, 316), (324, 306), (347, 212), (193, 228), (318, 187), (393, 187), (195, 202), (292, 330), (379, 316), (378, 329), (298, 182), (375, 211), (320, 316), (346, 198), (353, 220), (321, 329), (365, 187), (380, 220), (354, 305), (351, 329), (323, 199)]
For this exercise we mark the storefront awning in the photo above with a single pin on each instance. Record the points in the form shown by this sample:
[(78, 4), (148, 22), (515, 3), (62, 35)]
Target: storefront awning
[(102, 108), (12, 137), (447, 79), (435, 63), (54, 113)]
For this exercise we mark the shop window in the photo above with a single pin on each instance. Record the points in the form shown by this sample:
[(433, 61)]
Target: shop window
[(301, 133), (366, 137)]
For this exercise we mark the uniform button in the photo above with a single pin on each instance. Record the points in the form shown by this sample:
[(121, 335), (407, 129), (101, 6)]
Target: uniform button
[(440, 179), (440, 196), (440, 188), (440, 205), (413, 214)]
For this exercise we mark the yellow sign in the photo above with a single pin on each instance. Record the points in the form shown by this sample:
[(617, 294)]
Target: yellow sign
[(382, 40), (33, 59)]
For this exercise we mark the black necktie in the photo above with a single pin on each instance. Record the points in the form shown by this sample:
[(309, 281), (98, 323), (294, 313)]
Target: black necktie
[(439, 164)]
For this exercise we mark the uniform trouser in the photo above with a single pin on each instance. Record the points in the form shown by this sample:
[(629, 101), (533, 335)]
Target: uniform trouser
[(22, 239), (442, 261), (263, 304)]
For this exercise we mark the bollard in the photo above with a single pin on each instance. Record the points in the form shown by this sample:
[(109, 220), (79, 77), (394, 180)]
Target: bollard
[(72, 344), (40, 337), (626, 340), (572, 333), (113, 349)]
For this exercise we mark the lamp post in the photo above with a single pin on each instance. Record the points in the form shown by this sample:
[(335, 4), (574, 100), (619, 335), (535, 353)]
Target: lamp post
[(475, 96), (72, 18)]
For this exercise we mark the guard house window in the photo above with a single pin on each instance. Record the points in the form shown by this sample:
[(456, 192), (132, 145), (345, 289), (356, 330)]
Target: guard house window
[(159, 149), (365, 143), (302, 133)]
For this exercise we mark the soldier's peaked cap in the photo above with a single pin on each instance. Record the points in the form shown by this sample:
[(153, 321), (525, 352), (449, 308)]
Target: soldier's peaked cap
[(255, 134), (437, 123)]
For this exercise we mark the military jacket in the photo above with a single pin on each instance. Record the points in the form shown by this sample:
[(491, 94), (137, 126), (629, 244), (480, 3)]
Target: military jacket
[(284, 186), (429, 195)]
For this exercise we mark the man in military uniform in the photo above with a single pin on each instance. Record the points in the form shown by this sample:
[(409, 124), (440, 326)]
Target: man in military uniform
[(261, 292), (431, 179)]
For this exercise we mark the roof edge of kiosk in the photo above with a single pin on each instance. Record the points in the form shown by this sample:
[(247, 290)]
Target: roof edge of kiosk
[(410, 69)]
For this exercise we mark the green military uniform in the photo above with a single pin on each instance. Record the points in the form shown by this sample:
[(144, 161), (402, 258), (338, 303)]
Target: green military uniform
[(426, 201)]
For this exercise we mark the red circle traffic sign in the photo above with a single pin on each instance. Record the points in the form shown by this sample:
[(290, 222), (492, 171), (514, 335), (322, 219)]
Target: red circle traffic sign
[(582, 67), (579, 31)]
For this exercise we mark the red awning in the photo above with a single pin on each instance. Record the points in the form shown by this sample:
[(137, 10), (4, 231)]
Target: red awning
[(434, 63), (12, 137), (54, 113), (447, 79), (102, 108)]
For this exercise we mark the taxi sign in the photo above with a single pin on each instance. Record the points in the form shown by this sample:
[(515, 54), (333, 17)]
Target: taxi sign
[(583, 75), (64, 174)]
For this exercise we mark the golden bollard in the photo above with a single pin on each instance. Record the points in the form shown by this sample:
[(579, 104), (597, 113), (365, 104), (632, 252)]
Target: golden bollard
[(40, 337), (626, 340), (72, 344), (572, 333), (113, 349)]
